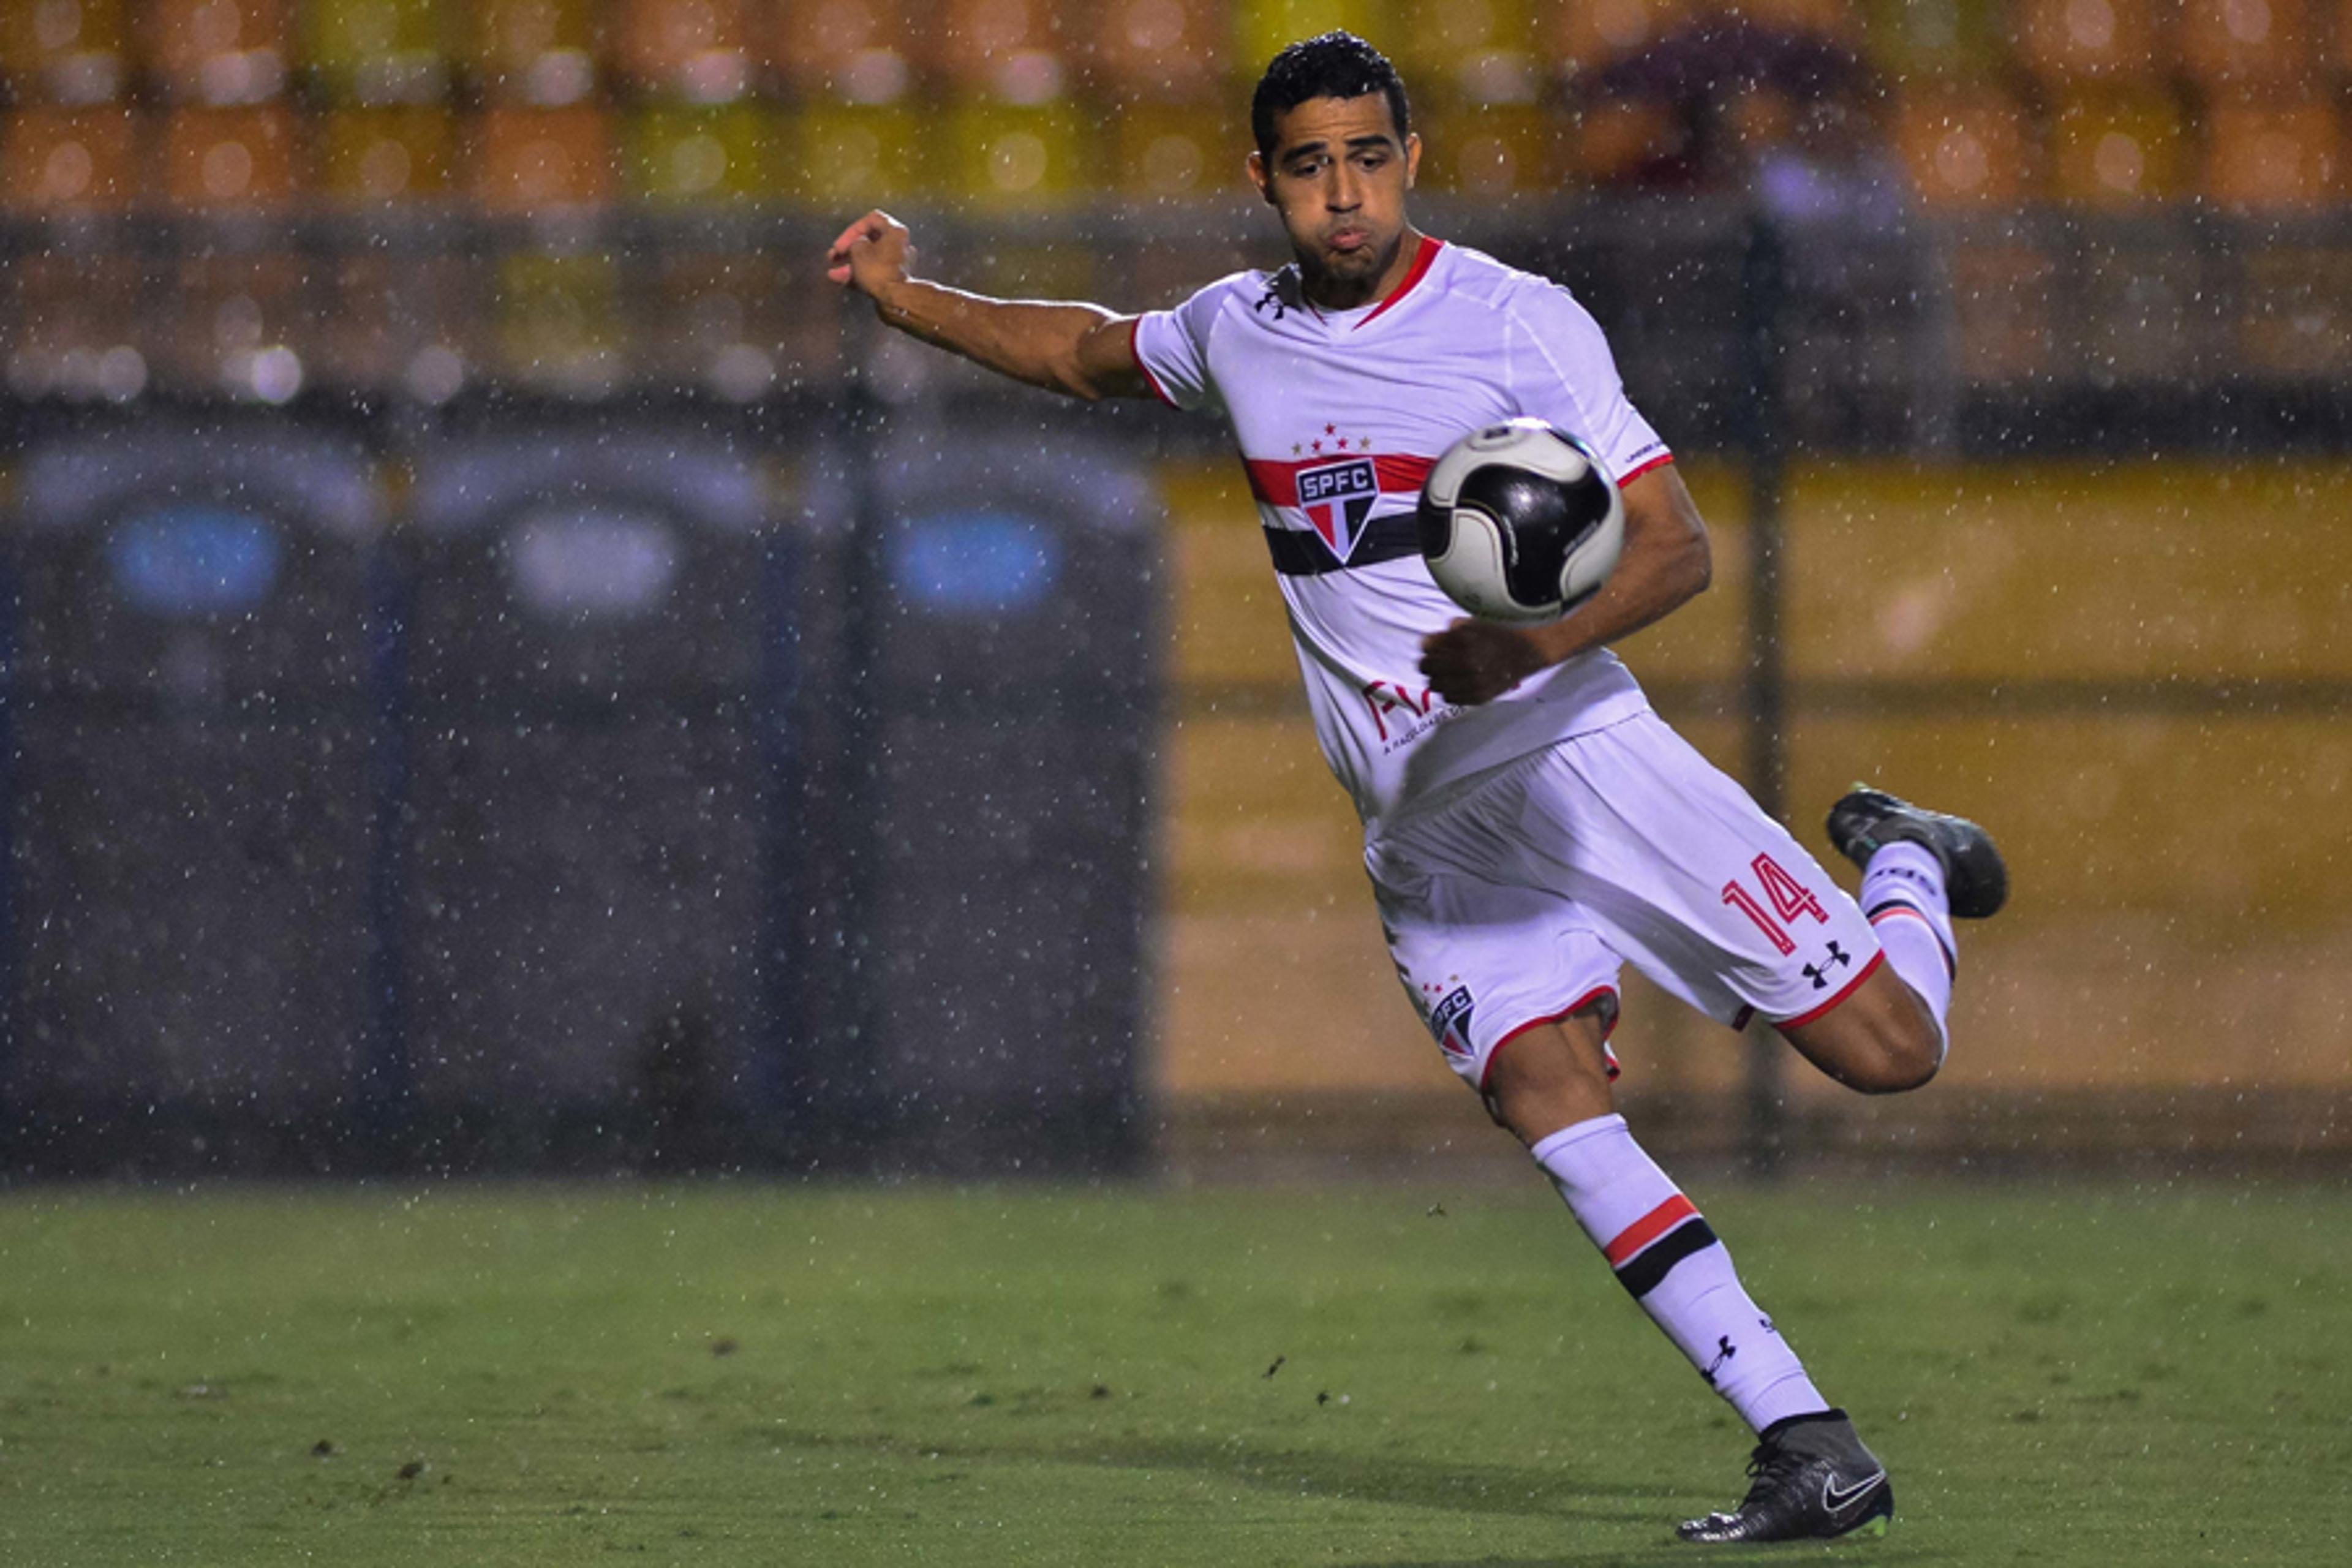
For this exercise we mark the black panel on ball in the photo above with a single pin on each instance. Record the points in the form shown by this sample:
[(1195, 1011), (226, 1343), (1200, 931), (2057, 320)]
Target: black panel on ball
[(1436, 524), (1542, 522)]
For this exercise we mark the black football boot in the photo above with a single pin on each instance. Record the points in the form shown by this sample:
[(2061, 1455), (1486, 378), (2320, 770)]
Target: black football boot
[(1811, 1480), (1867, 820)]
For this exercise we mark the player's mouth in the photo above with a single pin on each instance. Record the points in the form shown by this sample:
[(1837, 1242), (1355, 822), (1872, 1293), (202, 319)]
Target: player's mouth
[(1347, 241)]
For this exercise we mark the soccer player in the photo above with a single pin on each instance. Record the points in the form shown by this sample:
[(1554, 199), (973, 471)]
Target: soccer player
[(1529, 824)]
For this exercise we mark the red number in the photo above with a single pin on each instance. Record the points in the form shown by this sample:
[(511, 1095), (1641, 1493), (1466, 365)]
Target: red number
[(1384, 699), (1740, 897), (1789, 897)]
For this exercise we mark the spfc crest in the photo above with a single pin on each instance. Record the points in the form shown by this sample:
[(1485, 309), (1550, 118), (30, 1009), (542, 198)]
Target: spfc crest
[(1450, 1022), (1338, 500)]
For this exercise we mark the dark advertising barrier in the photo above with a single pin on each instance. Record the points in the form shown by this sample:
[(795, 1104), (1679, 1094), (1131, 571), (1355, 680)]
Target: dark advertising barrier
[(984, 810), (594, 754), (189, 944)]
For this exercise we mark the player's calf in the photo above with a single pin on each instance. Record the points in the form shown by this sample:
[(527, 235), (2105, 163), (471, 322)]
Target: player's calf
[(1882, 1040)]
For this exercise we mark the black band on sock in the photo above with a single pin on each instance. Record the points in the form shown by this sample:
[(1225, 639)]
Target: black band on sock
[(1642, 1275)]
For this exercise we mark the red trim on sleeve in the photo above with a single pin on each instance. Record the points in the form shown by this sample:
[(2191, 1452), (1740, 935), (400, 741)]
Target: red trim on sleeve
[(1660, 461), (1648, 1228), (1276, 483), (1135, 328), (1579, 1006), (1421, 260), (1848, 989)]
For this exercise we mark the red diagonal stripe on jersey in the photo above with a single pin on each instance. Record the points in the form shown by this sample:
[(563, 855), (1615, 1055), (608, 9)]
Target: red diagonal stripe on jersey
[(1648, 1228), (1277, 484)]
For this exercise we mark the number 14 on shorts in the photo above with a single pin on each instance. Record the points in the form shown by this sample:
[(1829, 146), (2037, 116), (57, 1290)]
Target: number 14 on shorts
[(1790, 899)]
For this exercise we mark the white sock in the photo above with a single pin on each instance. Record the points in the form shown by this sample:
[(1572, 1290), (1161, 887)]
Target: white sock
[(1903, 895), (1665, 1256)]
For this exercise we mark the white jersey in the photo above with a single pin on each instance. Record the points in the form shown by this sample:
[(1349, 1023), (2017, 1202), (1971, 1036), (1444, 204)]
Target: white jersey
[(1340, 416)]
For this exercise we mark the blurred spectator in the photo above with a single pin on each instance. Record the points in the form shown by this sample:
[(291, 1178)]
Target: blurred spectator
[(1707, 91), (1827, 162)]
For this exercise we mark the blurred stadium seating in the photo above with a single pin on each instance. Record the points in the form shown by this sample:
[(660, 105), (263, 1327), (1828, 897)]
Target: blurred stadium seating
[(598, 112)]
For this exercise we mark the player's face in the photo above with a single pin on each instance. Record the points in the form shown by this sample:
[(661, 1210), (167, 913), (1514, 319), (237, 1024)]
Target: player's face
[(1337, 176)]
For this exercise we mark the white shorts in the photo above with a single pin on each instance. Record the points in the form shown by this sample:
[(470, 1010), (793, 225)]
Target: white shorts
[(1516, 903)]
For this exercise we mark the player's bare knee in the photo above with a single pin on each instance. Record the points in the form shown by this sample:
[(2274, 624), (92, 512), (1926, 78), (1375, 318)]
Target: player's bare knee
[(1549, 1077)]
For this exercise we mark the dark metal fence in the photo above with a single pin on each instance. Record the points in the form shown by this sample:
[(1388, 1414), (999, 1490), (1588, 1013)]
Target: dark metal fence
[(189, 821), (2044, 328), (570, 803)]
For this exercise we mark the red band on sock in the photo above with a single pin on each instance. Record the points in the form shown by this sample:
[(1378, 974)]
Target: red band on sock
[(1648, 1228), (1901, 912)]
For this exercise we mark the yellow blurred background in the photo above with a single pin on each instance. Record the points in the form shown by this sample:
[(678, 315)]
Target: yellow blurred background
[(2133, 672), (514, 105)]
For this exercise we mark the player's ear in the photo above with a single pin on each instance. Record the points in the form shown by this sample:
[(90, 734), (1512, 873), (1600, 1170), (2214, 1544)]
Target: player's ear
[(1411, 158), (1257, 174)]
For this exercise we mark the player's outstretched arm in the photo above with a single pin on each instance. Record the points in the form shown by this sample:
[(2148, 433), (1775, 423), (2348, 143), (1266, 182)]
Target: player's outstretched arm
[(1082, 350), (1666, 562)]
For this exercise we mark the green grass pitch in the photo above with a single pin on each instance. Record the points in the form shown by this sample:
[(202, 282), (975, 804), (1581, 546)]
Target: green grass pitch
[(1393, 1373)]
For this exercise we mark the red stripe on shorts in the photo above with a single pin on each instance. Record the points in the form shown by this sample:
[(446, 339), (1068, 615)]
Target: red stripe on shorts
[(1848, 989), (1579, 1006), (1648, 1228)]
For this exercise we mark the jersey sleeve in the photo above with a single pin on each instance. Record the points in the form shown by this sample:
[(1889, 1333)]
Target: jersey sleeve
[(1562, 370), (1172, 349)]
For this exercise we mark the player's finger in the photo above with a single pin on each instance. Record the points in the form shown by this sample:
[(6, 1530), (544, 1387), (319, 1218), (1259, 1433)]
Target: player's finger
[(868, 227)]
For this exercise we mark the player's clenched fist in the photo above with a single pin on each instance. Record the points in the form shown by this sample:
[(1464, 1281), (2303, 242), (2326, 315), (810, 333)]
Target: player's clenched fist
[(871, 254), (1472, 662)]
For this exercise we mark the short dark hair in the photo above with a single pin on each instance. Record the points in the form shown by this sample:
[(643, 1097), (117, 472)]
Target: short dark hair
[(1336, 64)]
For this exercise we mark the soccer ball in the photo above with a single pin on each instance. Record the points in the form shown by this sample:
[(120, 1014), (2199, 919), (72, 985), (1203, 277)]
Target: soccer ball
[(1520, 522)]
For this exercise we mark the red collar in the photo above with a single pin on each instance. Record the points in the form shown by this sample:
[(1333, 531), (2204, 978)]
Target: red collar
[(1422, 261)]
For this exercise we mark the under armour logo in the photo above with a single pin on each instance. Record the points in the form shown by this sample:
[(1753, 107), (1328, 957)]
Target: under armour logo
[(1272, 298), (1728, 1351), (1820, 973)]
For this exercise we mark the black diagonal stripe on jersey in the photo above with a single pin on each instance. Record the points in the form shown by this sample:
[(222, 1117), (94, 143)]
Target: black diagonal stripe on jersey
[(1641, 1276), (1301, 552)]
